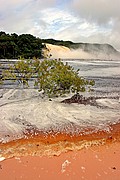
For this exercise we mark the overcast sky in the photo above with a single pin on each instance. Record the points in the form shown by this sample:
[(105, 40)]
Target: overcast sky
[(76, 20)]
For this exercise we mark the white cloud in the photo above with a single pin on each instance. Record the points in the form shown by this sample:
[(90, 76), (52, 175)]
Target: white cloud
[(56, 21), (76, 20), (100, 11), (105, 14), (22, 15)]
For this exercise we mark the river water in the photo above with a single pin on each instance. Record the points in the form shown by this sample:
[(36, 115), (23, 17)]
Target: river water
[(24, 111), (106, 75)]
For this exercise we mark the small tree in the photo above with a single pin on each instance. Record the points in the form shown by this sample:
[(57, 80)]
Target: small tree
[(56, 78), (53, 77)]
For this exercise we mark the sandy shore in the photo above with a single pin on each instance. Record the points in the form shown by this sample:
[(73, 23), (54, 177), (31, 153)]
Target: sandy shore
[(63, 157), (42, 139), (53, 143), (99, 162)]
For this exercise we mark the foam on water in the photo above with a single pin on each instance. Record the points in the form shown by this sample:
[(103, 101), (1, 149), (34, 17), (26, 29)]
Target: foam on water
[(36, 114), (23, 111), (2, 158)]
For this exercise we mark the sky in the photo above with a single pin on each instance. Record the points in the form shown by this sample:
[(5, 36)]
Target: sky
[(92, 21)]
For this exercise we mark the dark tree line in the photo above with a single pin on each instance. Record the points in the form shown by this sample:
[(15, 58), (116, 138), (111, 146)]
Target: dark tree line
[(26, 45)]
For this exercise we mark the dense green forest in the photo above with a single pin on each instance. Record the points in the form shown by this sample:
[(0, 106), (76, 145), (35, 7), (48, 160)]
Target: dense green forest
[(13, 46)]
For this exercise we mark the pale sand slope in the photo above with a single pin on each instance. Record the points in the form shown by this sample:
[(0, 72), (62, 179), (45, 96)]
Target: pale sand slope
[(21, 109), (66, 53)]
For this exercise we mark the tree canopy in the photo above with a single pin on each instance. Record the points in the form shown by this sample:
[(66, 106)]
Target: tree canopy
[(53, 77), (26, 45)]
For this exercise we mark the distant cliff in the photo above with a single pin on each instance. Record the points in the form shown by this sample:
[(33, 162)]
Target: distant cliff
[(68, 49)]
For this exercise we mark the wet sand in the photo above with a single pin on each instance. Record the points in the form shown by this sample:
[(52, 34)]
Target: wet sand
[(53, 143), (89, 157), (98, 162)]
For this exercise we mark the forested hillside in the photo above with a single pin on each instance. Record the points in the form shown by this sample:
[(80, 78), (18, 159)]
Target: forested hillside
[(13, 46)]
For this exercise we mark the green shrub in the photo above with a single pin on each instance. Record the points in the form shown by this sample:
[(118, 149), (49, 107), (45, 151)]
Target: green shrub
[(53, 77)]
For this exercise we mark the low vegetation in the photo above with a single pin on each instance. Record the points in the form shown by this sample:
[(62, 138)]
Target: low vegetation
[(53, 77)]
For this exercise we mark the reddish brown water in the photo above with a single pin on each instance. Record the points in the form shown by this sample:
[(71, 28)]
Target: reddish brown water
[(90, 156), (99, 162)]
